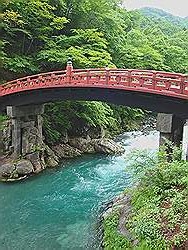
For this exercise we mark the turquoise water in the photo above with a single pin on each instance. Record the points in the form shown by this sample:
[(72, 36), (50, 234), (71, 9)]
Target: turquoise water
[(58, 209)]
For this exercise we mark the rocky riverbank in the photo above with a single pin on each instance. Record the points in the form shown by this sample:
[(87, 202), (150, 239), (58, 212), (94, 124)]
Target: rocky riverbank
[(114, 218), (37, 154), (38, 159)]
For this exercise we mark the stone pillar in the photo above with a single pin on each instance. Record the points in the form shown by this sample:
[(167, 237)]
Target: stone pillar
[(185, 142), (26, 128), (170, 128)]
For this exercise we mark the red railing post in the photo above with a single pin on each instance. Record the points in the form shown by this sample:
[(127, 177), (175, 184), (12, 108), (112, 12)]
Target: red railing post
[(129, 78), (182, 84), (154, 82), (107, 75), (87, 76), (69, 70), (141, 80)]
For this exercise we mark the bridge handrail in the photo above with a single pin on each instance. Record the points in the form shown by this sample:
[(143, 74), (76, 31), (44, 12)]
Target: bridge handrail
[(159, 80), (95, 70), (32, 77)]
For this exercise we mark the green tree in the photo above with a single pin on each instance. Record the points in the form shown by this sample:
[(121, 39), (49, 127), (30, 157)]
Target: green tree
[(87, 48), (40, 35)]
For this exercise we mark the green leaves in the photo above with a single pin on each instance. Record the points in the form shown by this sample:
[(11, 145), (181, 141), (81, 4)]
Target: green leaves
[(58, 23), (65, 116), (12, 18), (158, 218), (21, 64), (87, 48), (3, 118), (159, 199), (94, 33), (97, 114), (112, 238)]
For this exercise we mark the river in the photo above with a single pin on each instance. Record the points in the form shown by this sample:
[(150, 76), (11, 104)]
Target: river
[(58, 209)]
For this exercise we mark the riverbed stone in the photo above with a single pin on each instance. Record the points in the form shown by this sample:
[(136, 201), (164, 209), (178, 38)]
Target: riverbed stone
[(102, 145), (24, 167), (51, 160)]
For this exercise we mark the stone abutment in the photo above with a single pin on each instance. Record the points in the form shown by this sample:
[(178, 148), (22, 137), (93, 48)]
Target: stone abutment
[(174, 129), (25, 127)]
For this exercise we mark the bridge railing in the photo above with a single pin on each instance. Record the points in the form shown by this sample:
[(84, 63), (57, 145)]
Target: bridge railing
[(154, 80), (141, 80)]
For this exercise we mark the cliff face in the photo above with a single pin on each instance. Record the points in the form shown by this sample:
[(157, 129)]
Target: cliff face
[(36, 155)]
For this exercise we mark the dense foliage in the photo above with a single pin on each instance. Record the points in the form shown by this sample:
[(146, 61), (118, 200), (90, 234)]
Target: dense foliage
[(159, 204), (161, 15), (78, 117), (39, 36)]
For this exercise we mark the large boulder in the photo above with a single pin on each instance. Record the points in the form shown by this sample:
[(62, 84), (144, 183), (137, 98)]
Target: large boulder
[(13, 171), (101, 145), (107, 146), (37, 160), (85, 145), (6, 170), (65, 151), (24, 167), (51, 160)]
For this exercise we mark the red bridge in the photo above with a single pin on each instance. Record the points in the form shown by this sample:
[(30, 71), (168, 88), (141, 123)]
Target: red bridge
[(152, 90)]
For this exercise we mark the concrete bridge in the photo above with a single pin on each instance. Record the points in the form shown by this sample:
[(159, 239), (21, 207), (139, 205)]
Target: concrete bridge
[(156, 91)]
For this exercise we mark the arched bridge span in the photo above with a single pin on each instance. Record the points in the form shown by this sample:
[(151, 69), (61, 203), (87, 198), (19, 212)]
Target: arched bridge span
[(152, 90)]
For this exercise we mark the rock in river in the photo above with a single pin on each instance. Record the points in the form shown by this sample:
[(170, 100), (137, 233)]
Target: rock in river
[(108, 146)]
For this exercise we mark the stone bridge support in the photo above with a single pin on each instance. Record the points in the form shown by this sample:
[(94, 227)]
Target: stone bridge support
[(174, 129), (25, 129)]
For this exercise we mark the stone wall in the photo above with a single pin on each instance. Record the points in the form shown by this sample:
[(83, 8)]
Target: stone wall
[(22, 142)]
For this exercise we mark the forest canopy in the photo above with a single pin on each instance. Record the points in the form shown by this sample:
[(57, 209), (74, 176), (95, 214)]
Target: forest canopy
[(40, 35)]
